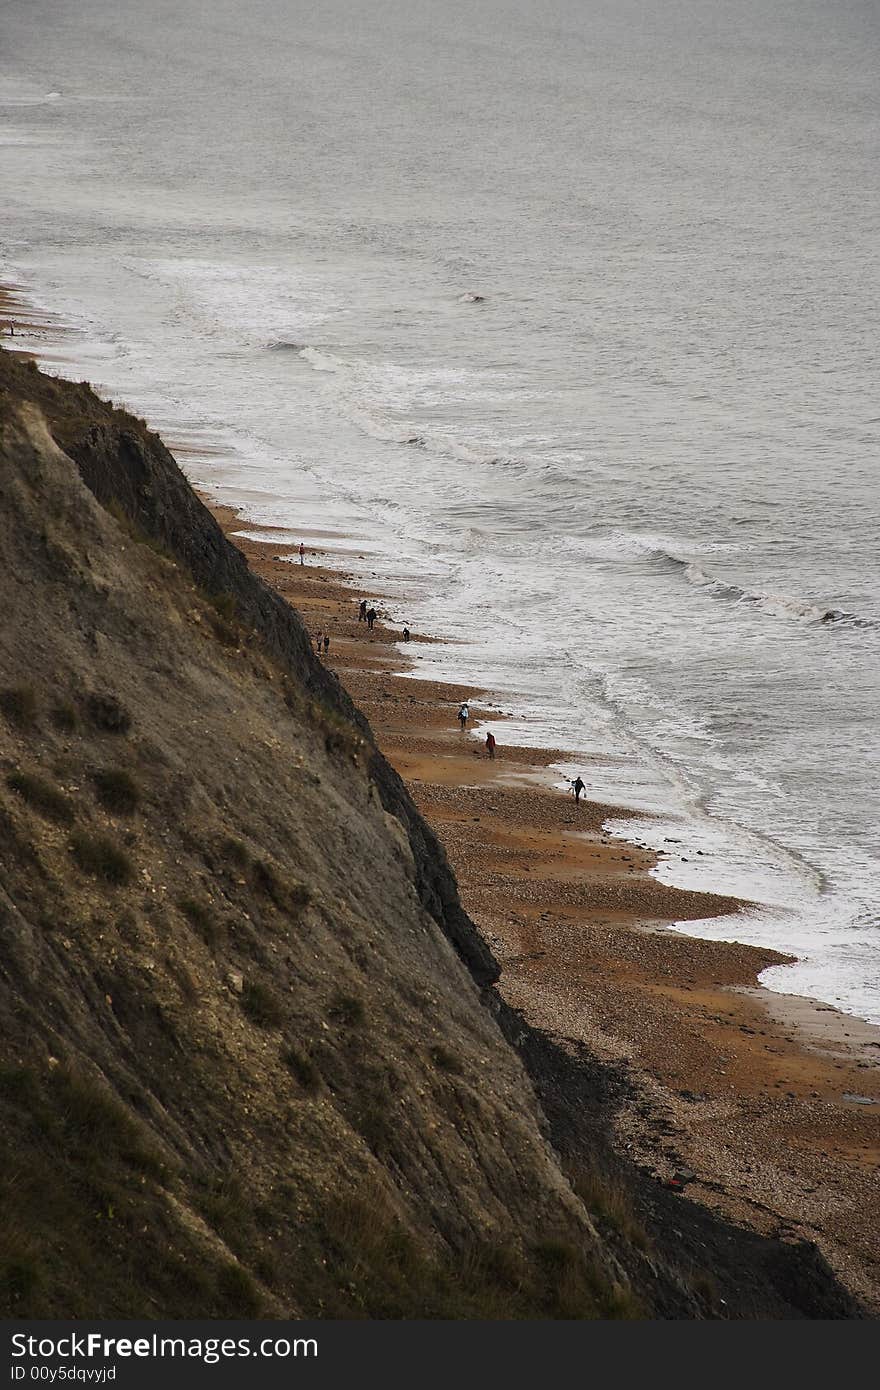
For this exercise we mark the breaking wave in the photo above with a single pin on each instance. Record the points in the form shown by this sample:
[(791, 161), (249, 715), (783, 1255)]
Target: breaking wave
[(774, 604)]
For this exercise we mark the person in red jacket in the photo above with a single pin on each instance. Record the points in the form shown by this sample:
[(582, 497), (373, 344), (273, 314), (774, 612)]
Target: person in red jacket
[(490, 745)]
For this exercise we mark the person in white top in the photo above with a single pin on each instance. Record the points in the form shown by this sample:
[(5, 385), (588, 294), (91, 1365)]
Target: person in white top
[(463, 716)]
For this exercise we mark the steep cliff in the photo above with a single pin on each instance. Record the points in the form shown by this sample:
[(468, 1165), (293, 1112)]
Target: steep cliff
[(250, 1055)]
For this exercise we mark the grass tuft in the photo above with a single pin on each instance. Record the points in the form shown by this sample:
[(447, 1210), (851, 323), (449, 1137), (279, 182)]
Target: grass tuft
[(87, 1115), (102, 857), (117, 790), (348, 1010), (340, 736), (64, 717), (42, 796), (261, 1005), (225, 633), (444, 1060), (202, 918), (287, 895), (19, 704), (610, 1203), (303, 1068), (20, 1277), (238, 1289), (107, 713), (234, 852), (224, 604), (131, 528)]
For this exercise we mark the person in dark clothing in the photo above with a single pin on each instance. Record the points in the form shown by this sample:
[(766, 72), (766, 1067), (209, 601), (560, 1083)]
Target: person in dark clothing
[(371, 618), (406, 634), (577, 787), (302, 553), (463, 716), (326, 644), (490, 745), (362, 611)]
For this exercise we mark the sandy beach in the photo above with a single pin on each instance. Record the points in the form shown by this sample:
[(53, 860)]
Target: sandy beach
[(771, 1101)]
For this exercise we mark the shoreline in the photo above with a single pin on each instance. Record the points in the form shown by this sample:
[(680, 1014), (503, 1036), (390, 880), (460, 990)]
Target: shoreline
[(761, 1095), (772, 1101), (18, 315)]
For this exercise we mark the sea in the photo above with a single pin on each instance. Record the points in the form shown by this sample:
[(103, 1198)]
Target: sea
[(556, 324)]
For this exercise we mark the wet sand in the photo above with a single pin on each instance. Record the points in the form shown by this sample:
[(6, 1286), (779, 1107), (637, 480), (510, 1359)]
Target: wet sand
[(21, 320), (772, 1101)]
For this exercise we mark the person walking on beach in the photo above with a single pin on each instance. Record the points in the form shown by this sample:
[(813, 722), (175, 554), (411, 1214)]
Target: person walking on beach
[(362, 611), (302, 553), (406, 634), (326, 644), (464, 715), (490, 745), (577, 787), (371, 618), (318, 640)]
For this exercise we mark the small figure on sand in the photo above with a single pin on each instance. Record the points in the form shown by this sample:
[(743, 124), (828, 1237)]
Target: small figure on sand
[(318, 641), (372, 615), (577, 787), (406, 634), (490, 745), (302, 553), (464, 715), (362, 611), (326, 644)]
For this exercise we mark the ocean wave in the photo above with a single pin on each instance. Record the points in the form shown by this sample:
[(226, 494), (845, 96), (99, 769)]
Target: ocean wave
[(44, 99), (382, 426), (322, 361), (774, 604)]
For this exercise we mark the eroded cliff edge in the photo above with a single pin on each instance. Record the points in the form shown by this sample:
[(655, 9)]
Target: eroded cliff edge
[(251, 1056)]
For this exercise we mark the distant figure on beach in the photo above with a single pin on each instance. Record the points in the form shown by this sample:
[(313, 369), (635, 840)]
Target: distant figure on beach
[(302, 553), (490, 745), (326, 644), (577, 787), (371, 618), (463, 716), (406, 634), (362, 611)]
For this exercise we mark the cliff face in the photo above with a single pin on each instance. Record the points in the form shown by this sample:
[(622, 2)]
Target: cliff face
[(248, 1057), (128, 468), (243, 1064)]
